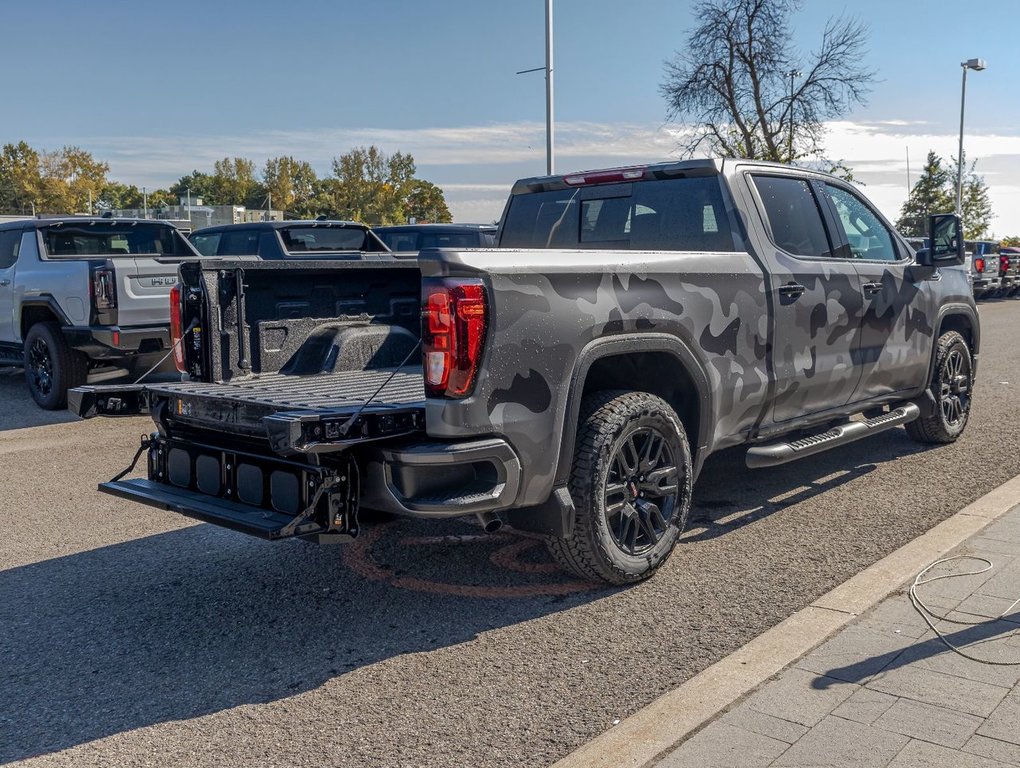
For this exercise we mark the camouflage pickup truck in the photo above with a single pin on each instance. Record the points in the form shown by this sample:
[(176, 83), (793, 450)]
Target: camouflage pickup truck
[(570, 382)]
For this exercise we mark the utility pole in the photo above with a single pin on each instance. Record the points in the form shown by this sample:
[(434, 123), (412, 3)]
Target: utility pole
[(909, 186), (145, 203), (189, 205)]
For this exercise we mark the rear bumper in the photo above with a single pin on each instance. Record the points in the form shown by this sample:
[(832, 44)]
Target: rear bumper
[(439, 480), (274, 498), (111, 341)]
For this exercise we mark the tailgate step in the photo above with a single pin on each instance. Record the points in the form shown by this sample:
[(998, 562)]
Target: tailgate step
[(780, 453), (240, 517)]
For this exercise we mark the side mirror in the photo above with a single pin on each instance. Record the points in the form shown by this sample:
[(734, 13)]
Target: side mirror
[(945, 233)]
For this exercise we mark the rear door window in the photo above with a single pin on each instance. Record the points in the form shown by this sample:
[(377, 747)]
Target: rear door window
[(207, 245), (239, 242), (10, 244), (793, 216)]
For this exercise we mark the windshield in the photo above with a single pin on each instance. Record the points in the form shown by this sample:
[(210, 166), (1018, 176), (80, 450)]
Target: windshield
[(320, 239), (113, 240), (684, 214), (417, 241)]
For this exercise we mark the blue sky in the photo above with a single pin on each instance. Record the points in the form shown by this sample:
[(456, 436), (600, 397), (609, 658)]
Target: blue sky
[(158, 90)]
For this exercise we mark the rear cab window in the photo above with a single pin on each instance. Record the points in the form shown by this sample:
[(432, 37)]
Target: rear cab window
[(113, 240), (302, 241), (683, 214)]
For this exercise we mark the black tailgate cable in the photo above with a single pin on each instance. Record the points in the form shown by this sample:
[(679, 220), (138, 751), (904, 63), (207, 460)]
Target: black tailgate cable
[(335, 482), (173, 347), (146, 442), (347, 425)]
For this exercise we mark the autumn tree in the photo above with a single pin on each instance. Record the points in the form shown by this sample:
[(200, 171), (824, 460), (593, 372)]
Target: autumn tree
[(741, 89), (20, 178), (289, 184), (425, 202), (373, 185), (233, 182), (117, 196)]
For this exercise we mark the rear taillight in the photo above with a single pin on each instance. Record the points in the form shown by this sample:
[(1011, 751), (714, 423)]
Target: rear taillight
[(453, 334), (176, 328), (104, 289), (979, 265), (1003, 265)]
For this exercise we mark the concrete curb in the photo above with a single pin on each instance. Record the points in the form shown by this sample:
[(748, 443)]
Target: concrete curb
[(660, 726)]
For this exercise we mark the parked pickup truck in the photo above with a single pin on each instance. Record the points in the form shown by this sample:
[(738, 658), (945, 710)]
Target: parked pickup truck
[(987, 278), (572, 381), (80, 292)]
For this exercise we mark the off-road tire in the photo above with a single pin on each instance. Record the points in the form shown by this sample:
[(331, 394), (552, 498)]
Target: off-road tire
[(51, 366), (935, 427), (607, 420)]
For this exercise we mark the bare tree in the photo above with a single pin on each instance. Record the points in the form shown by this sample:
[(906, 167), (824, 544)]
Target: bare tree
[(742, 90)]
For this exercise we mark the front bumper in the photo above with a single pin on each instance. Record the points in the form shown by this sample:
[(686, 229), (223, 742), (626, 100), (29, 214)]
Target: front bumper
[(111, 341)]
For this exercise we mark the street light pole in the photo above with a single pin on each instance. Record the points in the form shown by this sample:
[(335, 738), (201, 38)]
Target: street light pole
[(548, 69), (977, 65), (549, 163)]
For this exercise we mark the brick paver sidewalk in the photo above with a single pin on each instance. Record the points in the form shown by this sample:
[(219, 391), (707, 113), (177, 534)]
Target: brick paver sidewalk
[(885, 691)]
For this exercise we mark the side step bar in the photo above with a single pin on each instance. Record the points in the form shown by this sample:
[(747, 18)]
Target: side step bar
[(780, 453)]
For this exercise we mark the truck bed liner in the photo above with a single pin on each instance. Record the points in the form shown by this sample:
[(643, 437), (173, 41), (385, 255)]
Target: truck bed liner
[(322, 391)]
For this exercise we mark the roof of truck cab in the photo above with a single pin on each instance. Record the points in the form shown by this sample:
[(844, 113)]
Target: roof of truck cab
[(59, 221), (435, 228), (280, 225), (701, 166)]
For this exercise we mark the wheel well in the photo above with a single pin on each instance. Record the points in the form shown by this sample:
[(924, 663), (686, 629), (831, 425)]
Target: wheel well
[(962, 325), (658, 373), (35, 314)]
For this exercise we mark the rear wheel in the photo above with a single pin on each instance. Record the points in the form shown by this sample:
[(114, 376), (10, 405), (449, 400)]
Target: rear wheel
[(951, 385), (631, 487), (51, 366)]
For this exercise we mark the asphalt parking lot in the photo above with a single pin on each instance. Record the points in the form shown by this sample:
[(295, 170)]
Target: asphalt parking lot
[(134, 637)]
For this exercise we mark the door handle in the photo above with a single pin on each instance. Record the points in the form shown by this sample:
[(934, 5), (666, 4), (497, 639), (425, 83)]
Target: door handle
[(872, 288), (792, 290), (5, 281)]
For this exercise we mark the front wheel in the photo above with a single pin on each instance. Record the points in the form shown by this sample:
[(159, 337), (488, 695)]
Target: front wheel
[(952, 385), (631, 487)]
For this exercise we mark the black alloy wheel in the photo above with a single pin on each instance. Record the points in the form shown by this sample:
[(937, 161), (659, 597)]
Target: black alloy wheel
[(641, 491)]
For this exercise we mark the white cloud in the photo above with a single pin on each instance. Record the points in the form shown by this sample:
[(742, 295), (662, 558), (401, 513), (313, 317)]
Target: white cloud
[(476, 165)]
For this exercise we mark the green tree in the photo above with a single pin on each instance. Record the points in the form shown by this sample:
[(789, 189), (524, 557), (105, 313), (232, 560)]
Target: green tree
[(975, 204), (289, 184), (932, 193), (426, 203), (731, 87), (201, 185), (116, 196), (1013, 241)]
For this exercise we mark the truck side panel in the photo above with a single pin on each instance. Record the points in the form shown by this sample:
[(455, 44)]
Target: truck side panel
[(713, 302)]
